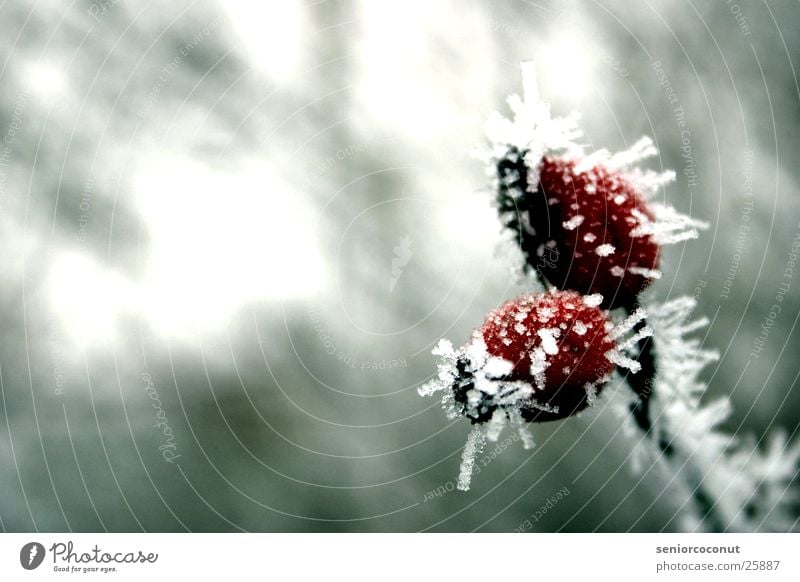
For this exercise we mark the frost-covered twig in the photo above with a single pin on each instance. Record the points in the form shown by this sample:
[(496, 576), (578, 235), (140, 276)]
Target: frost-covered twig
[(732, 484)]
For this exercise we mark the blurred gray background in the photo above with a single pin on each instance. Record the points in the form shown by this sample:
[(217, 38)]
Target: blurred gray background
[(201, 204)]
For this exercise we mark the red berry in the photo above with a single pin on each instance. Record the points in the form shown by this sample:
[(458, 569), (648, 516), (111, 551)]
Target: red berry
[(557, 341), (583, 228)]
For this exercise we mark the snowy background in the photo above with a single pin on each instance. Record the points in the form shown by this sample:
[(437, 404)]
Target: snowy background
[(231, 233)]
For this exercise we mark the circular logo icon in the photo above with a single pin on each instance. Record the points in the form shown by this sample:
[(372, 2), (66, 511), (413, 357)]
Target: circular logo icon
[(31, 555)]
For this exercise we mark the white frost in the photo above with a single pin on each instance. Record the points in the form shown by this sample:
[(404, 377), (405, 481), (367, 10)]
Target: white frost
[(591, 394), (444, 348), (549, 344), (573, 222), (497, 367), (472, 448), (648, 273), (627, 324), (623, 361), (605, 250), (593, 300), (539, 364), (495, 425)]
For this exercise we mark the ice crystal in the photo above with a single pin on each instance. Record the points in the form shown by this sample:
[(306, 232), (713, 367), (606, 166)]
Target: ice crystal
[(617, 271), (593, 300), (605, 250), (472, 449), (648, 273), (548, 337), (574, 222)]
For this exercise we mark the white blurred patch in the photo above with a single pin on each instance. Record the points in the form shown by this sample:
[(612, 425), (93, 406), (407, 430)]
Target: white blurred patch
[(469, 219), (217, 240), (418, 76), (566, 67), (212, 242), (87, 298), (46, 82), (271, 34)]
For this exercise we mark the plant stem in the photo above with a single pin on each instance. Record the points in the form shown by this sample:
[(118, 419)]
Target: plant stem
[(643, 385)]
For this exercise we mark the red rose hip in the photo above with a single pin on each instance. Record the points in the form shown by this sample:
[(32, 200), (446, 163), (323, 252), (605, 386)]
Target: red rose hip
[(585, 227), (558, 342)]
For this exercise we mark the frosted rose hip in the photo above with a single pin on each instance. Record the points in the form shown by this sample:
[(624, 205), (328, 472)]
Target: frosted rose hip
[(538, 357), (585, 229), (558, 342), (564, 325)]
